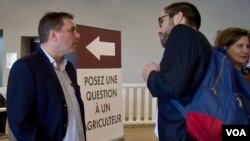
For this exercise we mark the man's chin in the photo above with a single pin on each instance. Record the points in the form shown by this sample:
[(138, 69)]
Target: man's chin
[(163, 44)]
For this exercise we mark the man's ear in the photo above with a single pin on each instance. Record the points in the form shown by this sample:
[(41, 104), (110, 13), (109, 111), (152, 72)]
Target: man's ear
[(178, 18), (53, 35)]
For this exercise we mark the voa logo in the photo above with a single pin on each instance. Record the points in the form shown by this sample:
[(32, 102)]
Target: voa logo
[(236, 132)]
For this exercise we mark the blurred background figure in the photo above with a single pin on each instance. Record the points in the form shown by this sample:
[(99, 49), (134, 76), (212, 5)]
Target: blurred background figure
[(234, 42)]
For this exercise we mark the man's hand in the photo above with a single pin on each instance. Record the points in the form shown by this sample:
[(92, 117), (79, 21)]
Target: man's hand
[(148, 68)]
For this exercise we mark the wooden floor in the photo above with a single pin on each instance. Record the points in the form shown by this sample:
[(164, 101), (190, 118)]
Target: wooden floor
[(145, 133), (4, 138), (131, 133)]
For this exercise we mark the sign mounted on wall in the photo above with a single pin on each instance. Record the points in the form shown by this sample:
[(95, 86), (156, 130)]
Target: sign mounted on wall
[(99, 76)]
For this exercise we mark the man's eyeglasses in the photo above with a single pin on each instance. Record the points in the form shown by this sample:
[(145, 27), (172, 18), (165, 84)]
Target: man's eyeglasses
[(160, 19)]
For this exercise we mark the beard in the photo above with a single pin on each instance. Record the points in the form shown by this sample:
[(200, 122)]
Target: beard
[(165, 32), (164, 40)]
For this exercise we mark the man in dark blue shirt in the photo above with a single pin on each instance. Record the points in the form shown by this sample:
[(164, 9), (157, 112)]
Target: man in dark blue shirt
[(183, 65)]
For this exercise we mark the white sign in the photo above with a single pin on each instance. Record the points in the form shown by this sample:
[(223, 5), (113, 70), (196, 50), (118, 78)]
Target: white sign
[(101, 93)]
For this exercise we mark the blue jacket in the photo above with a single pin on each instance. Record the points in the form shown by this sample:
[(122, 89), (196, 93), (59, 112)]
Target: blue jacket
[(185, 59), (242, 84), (36, 105)]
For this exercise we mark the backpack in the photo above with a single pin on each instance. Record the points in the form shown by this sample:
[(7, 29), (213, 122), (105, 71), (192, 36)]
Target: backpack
[(217, 101)]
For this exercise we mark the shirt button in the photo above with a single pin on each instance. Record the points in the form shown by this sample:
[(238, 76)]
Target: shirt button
[(65, 105), (65, 125)]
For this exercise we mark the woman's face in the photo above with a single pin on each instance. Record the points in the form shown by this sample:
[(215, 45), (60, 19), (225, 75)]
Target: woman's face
[(239, 51)]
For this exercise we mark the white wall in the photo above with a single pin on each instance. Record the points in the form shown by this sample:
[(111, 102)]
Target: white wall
[(136, 19)]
